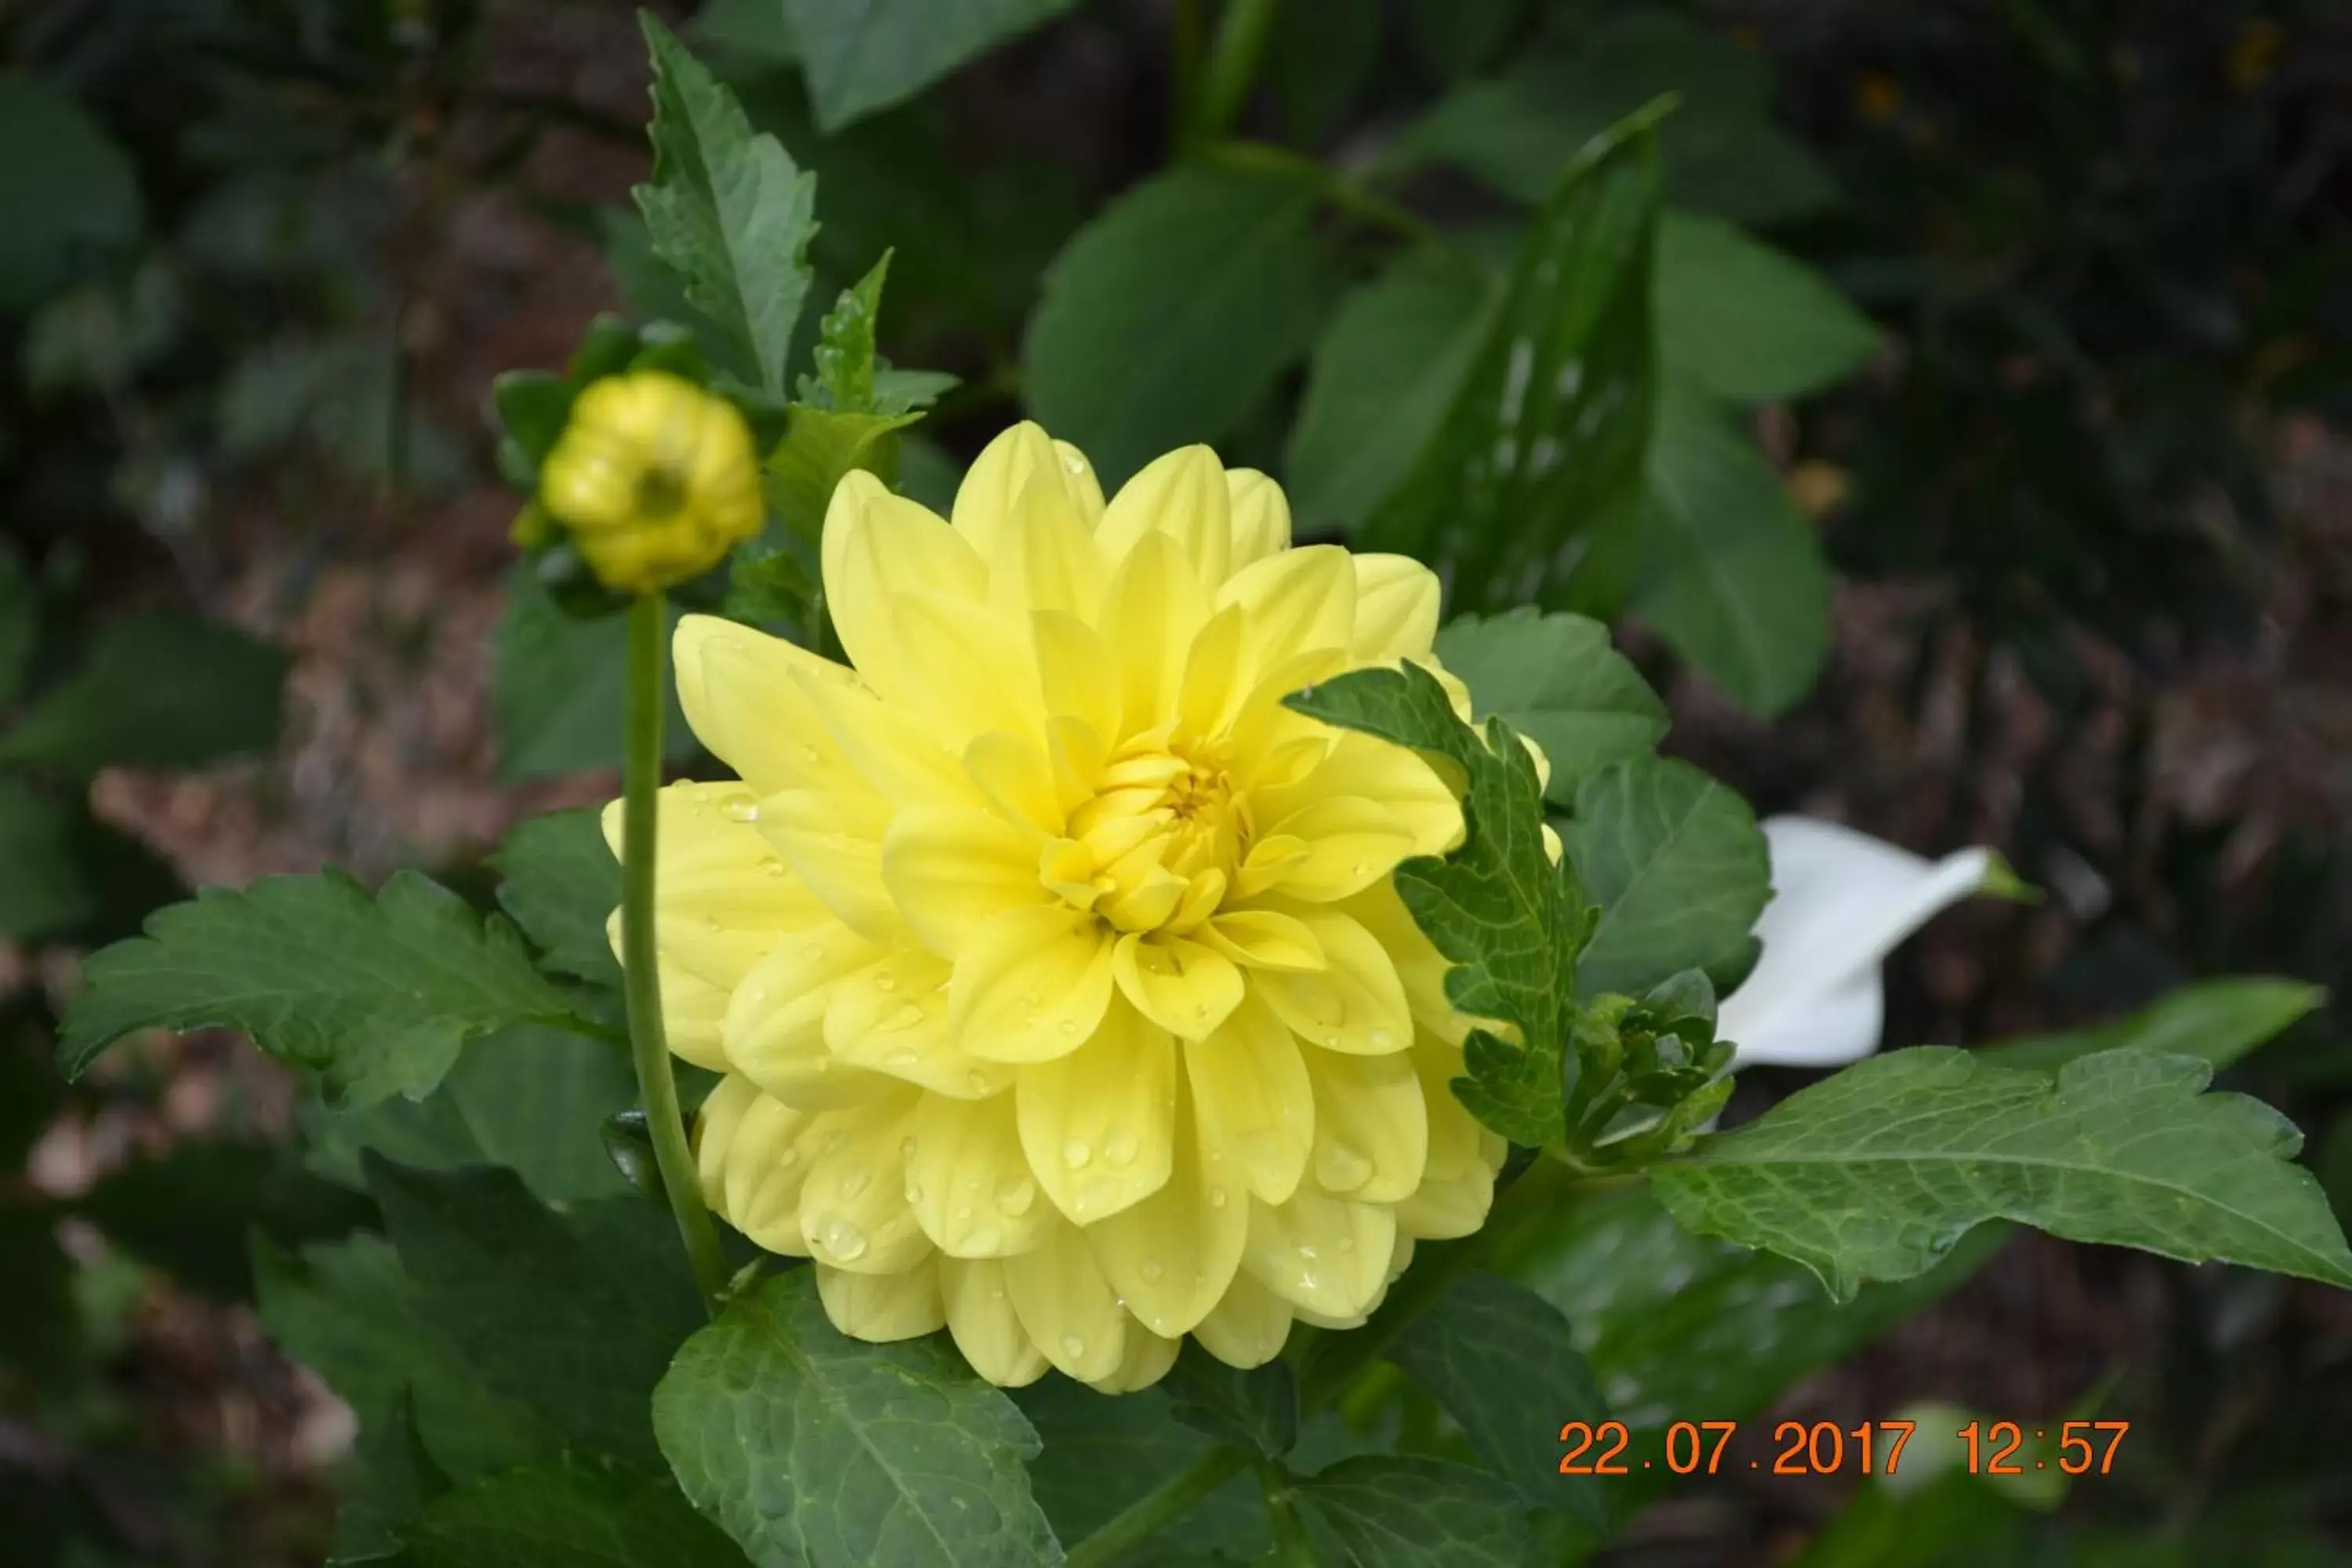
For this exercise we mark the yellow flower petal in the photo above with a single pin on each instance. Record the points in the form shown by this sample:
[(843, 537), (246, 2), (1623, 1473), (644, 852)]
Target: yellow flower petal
[(1371, 1135), (693, 1016), (1299, 601), (1249, 1327), (890, 753), (1350, 843), (836, 850), (1183, 498), (1322, 1255), (997, 502), (1067, 1307), (876, 544), (761, 1168), (890, 1019), (1172, 1256), (1254, 1101), (1097, 1124), (1144, 1362), (1264, 939), (1355, 1004), (714, 1132), (880, 1307), (987, 1331), (774, 1033), (950, 870), (1152, 612), (1261, 516), (743, 696), (1030, 986), (978, 678), (968, 1183), (1016, 775), (1078, 678), (854, 1208), (1183, 987), (1396, 608)]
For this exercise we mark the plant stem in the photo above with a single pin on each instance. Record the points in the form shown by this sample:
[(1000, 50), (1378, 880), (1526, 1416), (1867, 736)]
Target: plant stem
[(1292, 1549), (1134, 1524), (641, 978), (1351, 197), (1233, 65)]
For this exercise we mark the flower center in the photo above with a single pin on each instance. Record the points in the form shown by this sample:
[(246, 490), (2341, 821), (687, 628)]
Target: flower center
[(1158, 843)]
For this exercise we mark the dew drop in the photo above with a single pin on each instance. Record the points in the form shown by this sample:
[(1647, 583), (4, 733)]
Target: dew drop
[(976, 1081), (842, 1239), (1152, 1270), (808, 753), (1016, 1195), (744, 810), (834, 1139), (1073, 1346), (1381, 1039), (983, 1242), (772, 867), (1347, 1244), (900, 1059), (1341, 1169), (1216, 1198), (1331, 1040), (1074, 464), (907, 1016), (1307, 1251), (906, 1148), (1120, 1149), (914, 1191), (963, 1211), (885, 984), (855, 1183), (1075, 1154), (1070, 1026), (813, 952), (788, 1159), (996, 1293), (1033, 1021)]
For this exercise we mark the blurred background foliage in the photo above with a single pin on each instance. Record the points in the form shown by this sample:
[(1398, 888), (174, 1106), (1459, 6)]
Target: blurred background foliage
[(1966, 457)]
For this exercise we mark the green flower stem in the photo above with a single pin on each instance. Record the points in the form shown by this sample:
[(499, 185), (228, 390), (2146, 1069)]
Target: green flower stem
[(1132, 1525), (1340, 1357), (640, 819), (1292, 1548), (1233, 61), (1351, 197)]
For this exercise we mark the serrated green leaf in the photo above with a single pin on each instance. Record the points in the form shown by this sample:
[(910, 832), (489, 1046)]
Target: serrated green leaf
[(1672, 1323), (1676, 864), (574, 1314), (1499, 1358), (154, 691), (2217, 1021), (1399, 1511), (1556, 679), (1523, 491), (1511, 921), (727, 209), (844, 354), (1383, 375), (373, 993), (530, 1100), (68, 199), (348, 1313), (1730, 570), (568, 1516), (190, 1210), (561, 883), (1875, 1173), (809, 1447), (864, 55), (557, 686), (1748, 322), (1254, 1409), (1166, 318), (819, 448)]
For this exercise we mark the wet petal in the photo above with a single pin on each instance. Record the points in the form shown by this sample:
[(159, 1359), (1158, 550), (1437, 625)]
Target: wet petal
[(970, 1183), (880, 1307), (1254, 1102), (986, 1329), (950, 871), (1067, 1307), (1097, 1125), (1183, 987), (1030, 985)]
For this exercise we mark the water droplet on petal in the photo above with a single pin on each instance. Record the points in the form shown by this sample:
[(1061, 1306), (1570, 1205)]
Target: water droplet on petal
[(1347, 1244), (907, 1017), (963, 1211), (772, 867), (983, 1242), (900, 1059), (1331, 1040), (1216, 1198), (1341, 1169), (744, 810), (1073, 1346), (914, 1191), (834, 1139), (841, 1239), (976, 1081), (1075, 1154), (1153, 1270), (789, 1158), (1070, 1026), (855, 1183), (1015, 1194), (813, 952), (1381, 1039), (808, 753), (1120, 1149), (1072, 463), (885, 984), (906, 1148)]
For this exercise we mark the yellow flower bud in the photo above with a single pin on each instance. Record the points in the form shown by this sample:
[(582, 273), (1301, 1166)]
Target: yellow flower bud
[(655, 478)]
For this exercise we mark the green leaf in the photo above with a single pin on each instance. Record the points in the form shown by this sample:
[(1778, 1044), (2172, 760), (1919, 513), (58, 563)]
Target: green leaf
[(557, 688), (1875, 1173), (190, 1210), (154, 691), (1253, 1409), (1384, 373), (69, 194), (1410, 1512), (2217, 1021), (1672, 1324), (1748, 322), (812, 1448), (1677, 865), (1555, 679), (533, 408), (1499, 1358), (1169, 317), (864, 55), (844, 352), (348, 1313), (1541, 451), (819, 449), (1102, 1455), (1722, 153), (373, 993), (530, 1100), (569, 1516), (1511, 921), (1731, 572), (573, 1313), (46, 891), (727, 209), (561, 883)]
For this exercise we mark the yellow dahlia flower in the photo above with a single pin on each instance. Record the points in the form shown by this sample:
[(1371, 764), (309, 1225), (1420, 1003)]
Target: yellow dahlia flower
[(655, 478), (1052, 963)]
